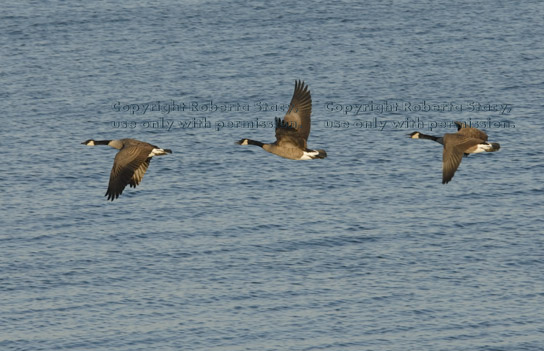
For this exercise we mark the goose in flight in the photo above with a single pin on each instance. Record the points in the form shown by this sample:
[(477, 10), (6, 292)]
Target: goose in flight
[(130, 163), (292, 132), (466, 141)]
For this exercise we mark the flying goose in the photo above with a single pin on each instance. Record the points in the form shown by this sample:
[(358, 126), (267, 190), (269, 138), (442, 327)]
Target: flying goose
[(292, 132), (467, 140), (130, 163)]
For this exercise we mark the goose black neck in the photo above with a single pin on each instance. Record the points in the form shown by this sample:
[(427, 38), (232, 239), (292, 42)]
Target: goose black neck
[(102, 142), (254, 142), (431, 137)]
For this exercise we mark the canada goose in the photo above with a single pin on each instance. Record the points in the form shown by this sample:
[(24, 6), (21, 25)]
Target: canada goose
[(130, 163), (466, 141), (292, 132)]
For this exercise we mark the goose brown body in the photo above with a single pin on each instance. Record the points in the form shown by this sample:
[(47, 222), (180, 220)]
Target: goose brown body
[(130, 163), (293, 131), (467, 140)]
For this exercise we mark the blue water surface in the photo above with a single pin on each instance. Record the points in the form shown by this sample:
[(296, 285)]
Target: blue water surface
[(224, 247)]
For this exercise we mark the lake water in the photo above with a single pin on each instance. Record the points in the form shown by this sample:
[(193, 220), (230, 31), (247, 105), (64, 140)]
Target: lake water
[(224, 247)]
